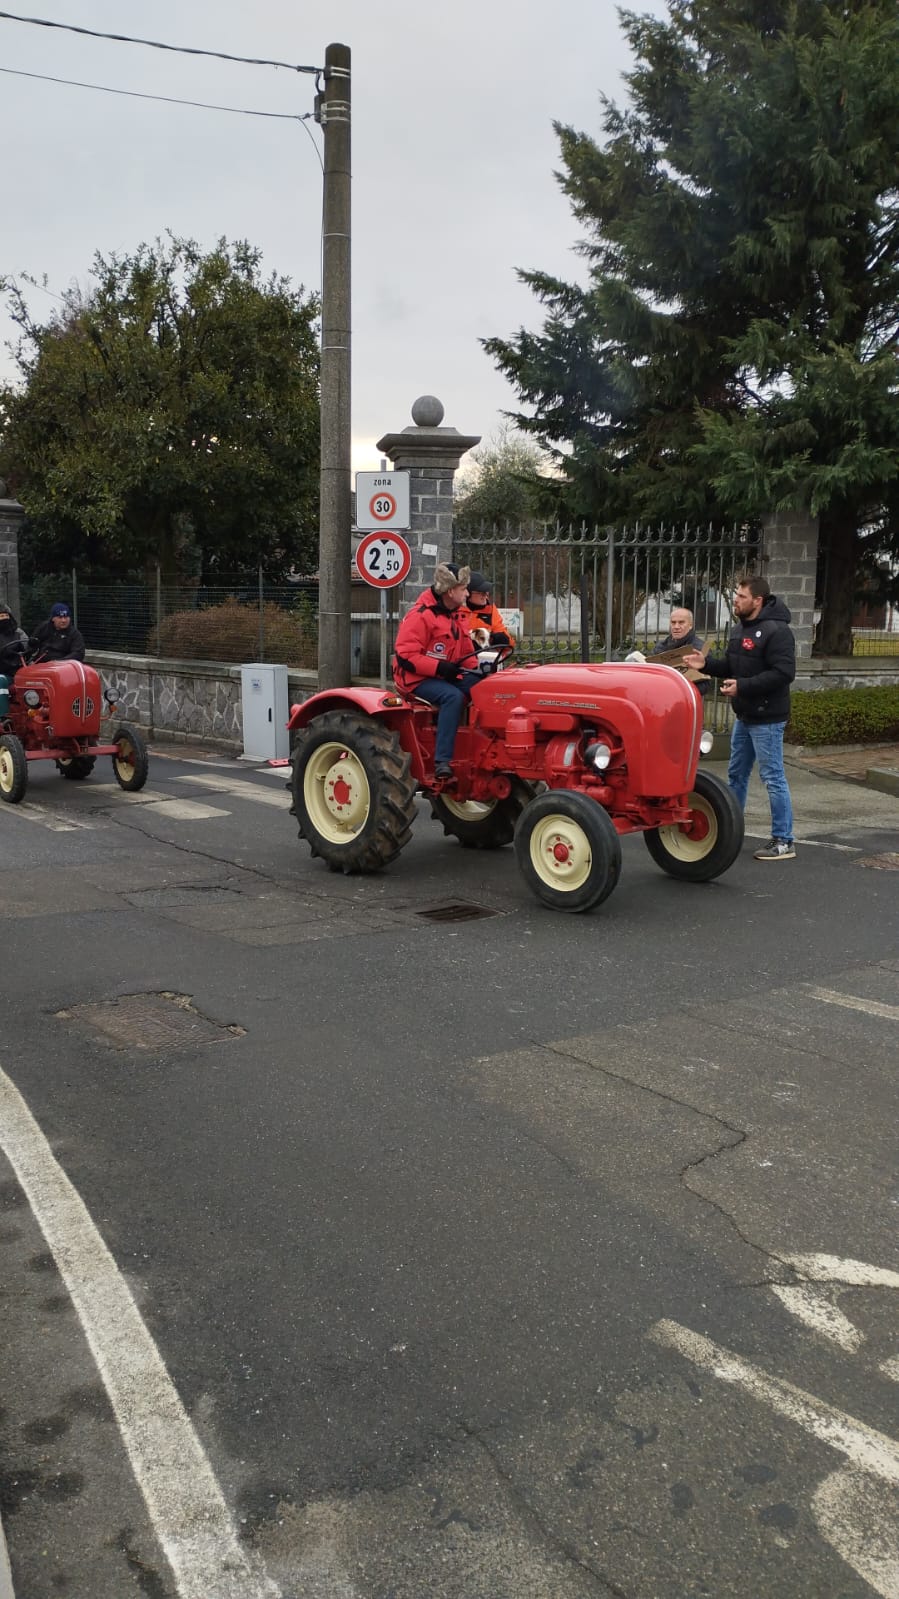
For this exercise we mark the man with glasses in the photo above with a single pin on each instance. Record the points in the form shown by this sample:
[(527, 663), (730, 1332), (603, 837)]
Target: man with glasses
[(757, 669)]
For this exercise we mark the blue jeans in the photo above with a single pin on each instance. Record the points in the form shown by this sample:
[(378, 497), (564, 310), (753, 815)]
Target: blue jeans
[(762, 741), (450, 699)]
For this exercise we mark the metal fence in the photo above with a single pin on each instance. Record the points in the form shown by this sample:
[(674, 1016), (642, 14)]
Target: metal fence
[(596, 595), (241, 619)]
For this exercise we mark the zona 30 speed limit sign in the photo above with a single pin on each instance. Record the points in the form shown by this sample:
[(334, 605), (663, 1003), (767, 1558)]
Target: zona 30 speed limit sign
[(382, 500)]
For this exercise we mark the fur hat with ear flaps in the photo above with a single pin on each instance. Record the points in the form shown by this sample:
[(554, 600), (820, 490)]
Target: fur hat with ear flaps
[(446, 577)]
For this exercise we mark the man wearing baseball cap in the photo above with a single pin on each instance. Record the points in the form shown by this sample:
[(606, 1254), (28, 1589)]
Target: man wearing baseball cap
[(57, 639), (480, 612)]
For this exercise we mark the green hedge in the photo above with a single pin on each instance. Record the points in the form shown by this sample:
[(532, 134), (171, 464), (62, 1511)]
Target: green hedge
[(844, 716)]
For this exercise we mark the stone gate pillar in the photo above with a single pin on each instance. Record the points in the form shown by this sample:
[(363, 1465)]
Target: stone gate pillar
[(12, 515), (790, 556), (431, 454)]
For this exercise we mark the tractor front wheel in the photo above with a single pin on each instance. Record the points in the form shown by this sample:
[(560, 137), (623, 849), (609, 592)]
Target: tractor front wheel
[(703, 848), (353, 796), (77, 768), (568, 850), (131, 763), (479, 825), (13, 769)]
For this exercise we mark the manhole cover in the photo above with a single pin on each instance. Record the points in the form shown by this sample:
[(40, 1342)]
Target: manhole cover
[(149, 1021), (881, 863), (456, 911)]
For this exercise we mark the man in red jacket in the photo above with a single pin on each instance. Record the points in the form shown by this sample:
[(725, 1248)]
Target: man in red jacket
[(434, 657)]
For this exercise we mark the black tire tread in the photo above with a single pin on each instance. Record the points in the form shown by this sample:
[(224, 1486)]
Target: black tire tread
[(726, 847), (489, 832), (16, 749), (393, 794)]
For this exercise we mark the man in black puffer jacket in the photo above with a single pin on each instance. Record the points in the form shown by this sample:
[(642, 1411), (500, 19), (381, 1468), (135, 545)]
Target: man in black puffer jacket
[(758, 668)]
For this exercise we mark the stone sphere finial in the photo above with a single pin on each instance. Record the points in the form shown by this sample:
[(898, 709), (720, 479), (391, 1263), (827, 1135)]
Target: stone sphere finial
[(427, 412)]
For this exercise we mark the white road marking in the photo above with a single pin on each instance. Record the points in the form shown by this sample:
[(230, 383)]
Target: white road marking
[(810, 1306), (184, 810), (837, 1269), (238, 790), (849, 1507), (813, 843), (890, 1368), (856, 1506), (871, 1007), (863, 1446), (30, 811), (185, 1503)]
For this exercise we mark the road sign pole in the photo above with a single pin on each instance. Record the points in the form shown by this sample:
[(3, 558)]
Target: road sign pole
[(383, 598)]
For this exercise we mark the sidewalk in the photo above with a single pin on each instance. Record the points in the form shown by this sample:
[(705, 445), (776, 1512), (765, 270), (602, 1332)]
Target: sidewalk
[(874, 764)]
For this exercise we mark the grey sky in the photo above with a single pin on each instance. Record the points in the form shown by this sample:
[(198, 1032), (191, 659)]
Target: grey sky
[(453, 160)]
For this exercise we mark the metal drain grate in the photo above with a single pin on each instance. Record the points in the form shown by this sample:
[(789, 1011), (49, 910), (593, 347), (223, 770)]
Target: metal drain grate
[(149, 1022), (881, 863), (456, 911)]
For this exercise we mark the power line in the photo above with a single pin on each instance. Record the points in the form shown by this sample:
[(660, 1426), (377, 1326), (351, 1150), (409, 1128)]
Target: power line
[(155, 44), (135, 94)]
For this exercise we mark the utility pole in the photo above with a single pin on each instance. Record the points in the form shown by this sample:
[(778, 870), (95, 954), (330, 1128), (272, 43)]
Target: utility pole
[(332, 110)]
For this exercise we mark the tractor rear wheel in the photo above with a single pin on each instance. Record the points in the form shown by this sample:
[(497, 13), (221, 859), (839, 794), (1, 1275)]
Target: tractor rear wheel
[(78, 767), (709, 843), (13, 769), (478, 825), (568, 850), (353, 796), (131, 764)]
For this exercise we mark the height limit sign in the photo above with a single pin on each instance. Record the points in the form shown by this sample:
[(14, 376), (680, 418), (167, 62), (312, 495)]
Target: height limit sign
[(382, 500)]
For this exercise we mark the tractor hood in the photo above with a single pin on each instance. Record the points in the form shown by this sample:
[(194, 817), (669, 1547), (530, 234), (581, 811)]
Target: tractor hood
[(651, 708)]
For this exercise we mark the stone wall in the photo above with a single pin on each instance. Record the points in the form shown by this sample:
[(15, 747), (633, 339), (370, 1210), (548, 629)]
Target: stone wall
[(790, 556), (869, 671), (188, 700)]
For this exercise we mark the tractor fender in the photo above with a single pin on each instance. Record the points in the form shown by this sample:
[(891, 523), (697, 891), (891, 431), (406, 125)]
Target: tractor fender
[(386, 704)]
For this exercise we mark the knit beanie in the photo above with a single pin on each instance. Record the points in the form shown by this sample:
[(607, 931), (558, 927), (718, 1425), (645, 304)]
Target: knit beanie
[(59, 609), (446, 577)]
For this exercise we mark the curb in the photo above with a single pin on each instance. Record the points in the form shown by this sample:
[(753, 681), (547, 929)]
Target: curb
[(6, 1588), (883, 778)]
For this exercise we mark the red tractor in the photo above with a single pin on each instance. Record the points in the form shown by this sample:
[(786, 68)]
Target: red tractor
[(562, 759), (52, 712)]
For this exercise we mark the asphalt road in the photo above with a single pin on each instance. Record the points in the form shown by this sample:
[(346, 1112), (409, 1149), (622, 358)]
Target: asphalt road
[(351, 1253)]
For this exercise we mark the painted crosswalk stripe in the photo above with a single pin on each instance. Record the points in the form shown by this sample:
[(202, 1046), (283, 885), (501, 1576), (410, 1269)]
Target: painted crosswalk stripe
[(184, 1500), (237, 790), (53, 820), (871, 1007)]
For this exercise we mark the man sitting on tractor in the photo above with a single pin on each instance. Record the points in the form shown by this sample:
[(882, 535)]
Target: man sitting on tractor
[(57, 639), (434, 657), (13, 643), (480, 612)]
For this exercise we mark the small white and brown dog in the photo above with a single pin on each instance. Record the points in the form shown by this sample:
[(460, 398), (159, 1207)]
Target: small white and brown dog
[(481, 638)]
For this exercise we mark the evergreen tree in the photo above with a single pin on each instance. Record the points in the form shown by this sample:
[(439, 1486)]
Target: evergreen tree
[(735, 347)]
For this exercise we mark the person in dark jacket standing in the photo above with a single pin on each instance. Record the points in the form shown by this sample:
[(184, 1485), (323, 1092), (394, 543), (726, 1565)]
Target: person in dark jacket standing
[(758, 668), (435, 658), (58, 639), (13, 643)]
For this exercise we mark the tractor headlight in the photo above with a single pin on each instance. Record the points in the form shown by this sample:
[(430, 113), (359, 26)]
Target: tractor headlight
[(706, 742), (32, 698), (598, 755), (110, 696)]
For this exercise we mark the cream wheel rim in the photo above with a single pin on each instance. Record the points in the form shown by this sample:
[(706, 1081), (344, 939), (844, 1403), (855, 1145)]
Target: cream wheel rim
[(560, 853), (337, 793), (7, 771), (468, 810), (694, 840), (124, 761)]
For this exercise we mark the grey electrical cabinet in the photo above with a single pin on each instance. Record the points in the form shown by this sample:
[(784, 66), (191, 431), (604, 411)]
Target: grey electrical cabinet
[(263, 691)]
